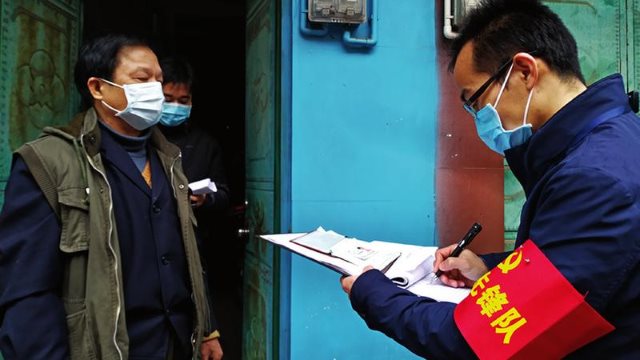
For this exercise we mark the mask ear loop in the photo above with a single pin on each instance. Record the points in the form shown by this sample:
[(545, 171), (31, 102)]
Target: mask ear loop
[(504, 84), (109, 106), (112, 83), (526, 109), (118, 112)]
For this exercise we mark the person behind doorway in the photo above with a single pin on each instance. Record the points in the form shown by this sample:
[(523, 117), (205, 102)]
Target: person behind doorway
[(201, 159), (99, 255), (201, 153), (575, 150)]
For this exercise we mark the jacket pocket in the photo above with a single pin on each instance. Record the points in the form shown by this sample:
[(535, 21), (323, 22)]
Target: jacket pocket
[(80, 341), (74, 219), (74, 244)]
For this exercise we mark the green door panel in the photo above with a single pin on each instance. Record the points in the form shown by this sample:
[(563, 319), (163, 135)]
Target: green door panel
[(601, 29), (259, 278), (261, 261), (38, 46), (513, 201), (633, 33)]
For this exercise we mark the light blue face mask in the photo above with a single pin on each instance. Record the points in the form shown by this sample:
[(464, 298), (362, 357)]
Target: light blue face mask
[(174, 114), (490, 128)]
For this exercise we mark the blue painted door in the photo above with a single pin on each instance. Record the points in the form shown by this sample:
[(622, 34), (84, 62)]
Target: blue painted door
[(363, 134)]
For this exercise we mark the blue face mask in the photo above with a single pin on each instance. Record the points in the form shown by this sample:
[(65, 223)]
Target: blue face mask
[(174, 114), (490, 128)]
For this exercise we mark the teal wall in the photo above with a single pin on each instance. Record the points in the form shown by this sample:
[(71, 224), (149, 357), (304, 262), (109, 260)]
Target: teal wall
[(363, 135)]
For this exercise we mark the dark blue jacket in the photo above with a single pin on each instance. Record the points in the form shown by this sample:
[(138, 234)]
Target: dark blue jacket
[(581, 174), (157, 291)]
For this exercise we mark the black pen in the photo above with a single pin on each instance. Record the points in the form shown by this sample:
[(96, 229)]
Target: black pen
[(466, 240)]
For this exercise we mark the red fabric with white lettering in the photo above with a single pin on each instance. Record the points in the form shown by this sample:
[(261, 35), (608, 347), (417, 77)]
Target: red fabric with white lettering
[(525, 309)]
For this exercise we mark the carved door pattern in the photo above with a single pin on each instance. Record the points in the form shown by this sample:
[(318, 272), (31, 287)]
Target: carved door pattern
[(38, 47)]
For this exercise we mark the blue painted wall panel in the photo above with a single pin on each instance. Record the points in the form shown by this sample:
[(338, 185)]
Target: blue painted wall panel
[(363, 127)]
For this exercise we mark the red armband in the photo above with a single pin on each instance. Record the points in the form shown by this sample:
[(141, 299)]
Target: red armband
[(524, 308)]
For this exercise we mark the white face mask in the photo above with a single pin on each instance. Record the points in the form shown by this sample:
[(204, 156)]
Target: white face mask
[(144, 104)]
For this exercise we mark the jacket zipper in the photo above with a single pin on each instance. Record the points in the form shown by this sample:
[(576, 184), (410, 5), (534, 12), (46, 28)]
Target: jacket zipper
[(175, 194), (113, 251)]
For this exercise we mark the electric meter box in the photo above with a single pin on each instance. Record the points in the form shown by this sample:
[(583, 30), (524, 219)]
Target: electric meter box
[(338, 11)]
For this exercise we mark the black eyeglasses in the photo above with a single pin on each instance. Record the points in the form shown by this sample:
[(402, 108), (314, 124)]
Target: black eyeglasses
[(468, 104)]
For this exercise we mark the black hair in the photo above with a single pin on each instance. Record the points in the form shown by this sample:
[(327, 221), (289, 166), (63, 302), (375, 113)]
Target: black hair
[(178, 71), (99, 58), (501, 28)]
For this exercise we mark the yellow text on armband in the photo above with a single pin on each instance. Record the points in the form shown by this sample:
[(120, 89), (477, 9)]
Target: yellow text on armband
[(479, 284), (508, 323), (492, 300)]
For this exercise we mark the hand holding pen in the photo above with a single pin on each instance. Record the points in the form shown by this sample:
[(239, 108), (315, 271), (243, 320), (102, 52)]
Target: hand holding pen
[(468, 271)]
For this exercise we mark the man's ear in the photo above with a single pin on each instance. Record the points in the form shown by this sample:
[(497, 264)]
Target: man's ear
[(95, 87), (526, 66)]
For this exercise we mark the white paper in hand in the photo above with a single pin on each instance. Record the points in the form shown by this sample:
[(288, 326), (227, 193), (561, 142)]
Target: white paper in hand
[(204, 186)]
